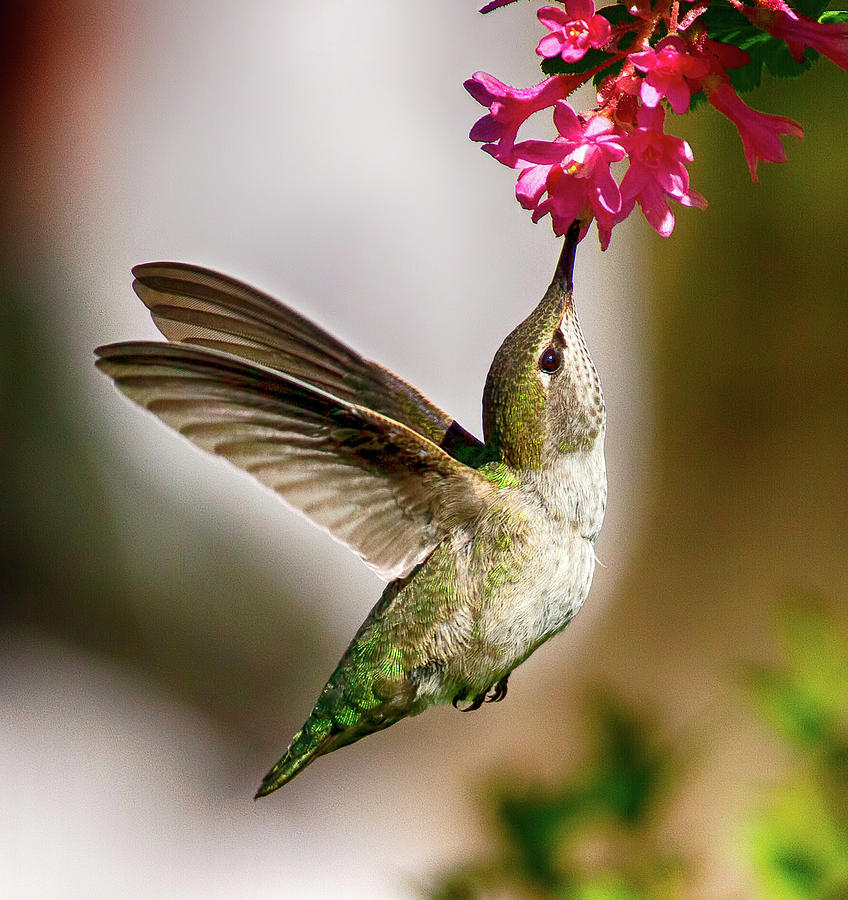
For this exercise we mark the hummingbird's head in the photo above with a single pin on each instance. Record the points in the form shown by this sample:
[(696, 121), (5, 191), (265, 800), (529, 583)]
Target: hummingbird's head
[(543, 396)]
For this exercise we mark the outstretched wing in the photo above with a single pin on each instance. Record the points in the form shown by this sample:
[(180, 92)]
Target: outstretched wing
[(196, 306), (383, 489)]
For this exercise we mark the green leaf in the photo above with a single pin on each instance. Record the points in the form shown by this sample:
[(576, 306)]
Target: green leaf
[(609, 71), (617, 15), (747, 77), (558, 66), (810, 8), (697, 100), (726, 24), (833, 17), (779, 60)]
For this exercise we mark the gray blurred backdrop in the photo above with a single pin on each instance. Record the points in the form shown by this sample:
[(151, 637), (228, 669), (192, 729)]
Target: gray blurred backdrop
[(167, 623)]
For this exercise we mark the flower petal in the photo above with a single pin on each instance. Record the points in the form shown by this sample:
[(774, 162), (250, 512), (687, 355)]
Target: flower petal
[(607, 192), (545, 152), (553, 17), (633, 183), (580, 9), (644, 60), (678, 95), (657, 212), (531, 184), (572, 52), (600, 31), (550, 46), (567, 123), (650, 95), (693, 198), (486, 129)]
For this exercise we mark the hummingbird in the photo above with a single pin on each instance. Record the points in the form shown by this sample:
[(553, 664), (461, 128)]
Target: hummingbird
[(487, 546)]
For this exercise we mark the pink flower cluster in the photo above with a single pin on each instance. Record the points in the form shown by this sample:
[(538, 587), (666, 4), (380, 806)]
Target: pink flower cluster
[(571, 177)]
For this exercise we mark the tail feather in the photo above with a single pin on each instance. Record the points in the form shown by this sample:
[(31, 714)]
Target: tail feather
[(336, 722), (308, 744)]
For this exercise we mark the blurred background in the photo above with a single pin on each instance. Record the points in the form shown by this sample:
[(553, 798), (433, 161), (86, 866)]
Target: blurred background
[(166, 624)]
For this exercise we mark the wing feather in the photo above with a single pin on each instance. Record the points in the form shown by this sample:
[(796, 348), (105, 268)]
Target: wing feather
[(196, 306), (375, 484)]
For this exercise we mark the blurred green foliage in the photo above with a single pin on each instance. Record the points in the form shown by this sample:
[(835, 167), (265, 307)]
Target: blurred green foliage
[(597, 834), (799, 840), (592, 836)]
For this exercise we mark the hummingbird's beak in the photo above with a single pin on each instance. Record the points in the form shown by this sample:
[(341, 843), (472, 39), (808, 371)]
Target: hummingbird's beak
[(559, 297), (564, 275)]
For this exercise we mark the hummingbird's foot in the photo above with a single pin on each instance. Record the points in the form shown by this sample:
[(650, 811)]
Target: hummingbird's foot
[(476, 703), (498, 691)]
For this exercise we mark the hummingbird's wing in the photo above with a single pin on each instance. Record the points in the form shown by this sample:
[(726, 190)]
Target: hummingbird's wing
[(197, 306), (383, 489)]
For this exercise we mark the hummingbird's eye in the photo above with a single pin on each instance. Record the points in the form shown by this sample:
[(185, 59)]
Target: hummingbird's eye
[(551, 360)]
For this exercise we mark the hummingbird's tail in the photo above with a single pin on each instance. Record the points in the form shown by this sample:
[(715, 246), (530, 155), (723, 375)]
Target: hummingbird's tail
[(345, 712), (309, 743)]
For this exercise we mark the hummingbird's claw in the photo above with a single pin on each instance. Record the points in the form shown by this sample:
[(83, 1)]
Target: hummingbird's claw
[(498, 691), (476, 703)]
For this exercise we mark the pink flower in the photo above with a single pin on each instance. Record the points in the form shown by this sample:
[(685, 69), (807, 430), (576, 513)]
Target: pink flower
[(719, 57), (780, 21), (573, 170), (574, 30), (657, 172), (667, 69), (759, 131), (510, 107)]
